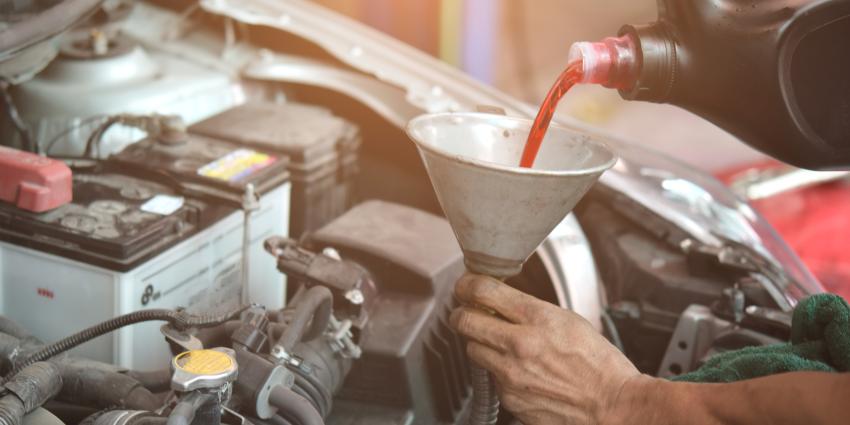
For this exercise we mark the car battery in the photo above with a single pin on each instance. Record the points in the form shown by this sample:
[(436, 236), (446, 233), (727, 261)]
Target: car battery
[(205, 167), (130, 241), (322, 150)]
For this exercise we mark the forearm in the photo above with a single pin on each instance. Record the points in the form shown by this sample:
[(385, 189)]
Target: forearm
[(792, 398)]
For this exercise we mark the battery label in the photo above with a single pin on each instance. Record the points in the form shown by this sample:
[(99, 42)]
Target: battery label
[(236, 165), (163, 204)]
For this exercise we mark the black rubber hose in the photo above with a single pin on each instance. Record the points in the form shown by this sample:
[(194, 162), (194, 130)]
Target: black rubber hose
[(112, 417), (220, 335), (69, 413), (91, 383), (313, 392), (11, 410), (274, 420), (177, 318), (11, 327), (156, 381), (485, 400), (313, 308), (28, 390), (98, 385), (150, 420), (14, 351), (185, 410), (295, 407)]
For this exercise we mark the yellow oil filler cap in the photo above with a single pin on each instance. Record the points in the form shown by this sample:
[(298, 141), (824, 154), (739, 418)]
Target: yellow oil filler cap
[(203, 369)]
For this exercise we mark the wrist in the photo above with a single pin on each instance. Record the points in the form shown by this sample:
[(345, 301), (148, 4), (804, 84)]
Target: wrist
[(641, 397)]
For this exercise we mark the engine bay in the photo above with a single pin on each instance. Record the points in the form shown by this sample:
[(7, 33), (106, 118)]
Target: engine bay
[(259, 196)]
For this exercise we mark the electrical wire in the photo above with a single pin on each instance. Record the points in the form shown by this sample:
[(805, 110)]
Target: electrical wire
[(177, 318), (613, 333), (97, 135), (15, 117), (68, 130)]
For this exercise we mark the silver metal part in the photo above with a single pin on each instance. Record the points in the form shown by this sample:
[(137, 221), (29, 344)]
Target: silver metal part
[(181, 339), (782, 318), (566, 255), (118, 417), (210, 369), (332, 253), (694, 335), (736, 299), (250, 203), (341, 340), (279, 376), (232, 417), (355, 296), (499, 211), (760, 184), (41, 416), (281, 354)]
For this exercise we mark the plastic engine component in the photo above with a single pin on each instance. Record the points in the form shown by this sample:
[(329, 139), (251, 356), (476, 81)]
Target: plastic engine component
[(412, 368), (33, 182)]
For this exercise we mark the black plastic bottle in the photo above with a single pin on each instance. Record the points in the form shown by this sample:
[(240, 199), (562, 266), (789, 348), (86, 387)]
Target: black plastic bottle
[(775, 73)]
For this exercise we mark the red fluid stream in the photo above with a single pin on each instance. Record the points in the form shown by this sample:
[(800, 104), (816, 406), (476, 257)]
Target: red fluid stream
[(565, 82)]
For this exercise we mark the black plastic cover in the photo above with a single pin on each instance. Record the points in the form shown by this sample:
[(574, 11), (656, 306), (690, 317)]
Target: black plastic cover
[(413, 368)]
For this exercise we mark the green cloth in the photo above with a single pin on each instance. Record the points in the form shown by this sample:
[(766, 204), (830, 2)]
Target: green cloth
[(820, 341)]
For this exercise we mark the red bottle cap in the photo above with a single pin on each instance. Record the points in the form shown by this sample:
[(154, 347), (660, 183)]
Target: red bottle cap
[(612, 62), (32, 182)]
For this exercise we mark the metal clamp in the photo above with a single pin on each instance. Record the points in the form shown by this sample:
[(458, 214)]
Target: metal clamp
[(291, 360), (341, 339)]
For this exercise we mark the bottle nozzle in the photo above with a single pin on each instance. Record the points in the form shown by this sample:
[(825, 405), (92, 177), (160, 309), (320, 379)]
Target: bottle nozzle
[(612, 62)]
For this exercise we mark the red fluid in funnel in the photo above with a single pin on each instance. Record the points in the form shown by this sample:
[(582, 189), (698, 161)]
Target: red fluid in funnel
[(565, 82)]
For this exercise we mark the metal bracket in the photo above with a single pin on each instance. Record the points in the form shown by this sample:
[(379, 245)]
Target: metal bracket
[(695, 332), (180, 338)]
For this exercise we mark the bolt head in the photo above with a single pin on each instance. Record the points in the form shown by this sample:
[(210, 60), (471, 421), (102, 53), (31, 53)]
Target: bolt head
[(355, 296)]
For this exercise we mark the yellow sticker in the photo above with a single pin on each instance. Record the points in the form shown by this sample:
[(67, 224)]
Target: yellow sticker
[(236, 165), (204, 362)]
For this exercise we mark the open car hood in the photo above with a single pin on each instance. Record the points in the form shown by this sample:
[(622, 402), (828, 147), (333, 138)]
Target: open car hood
[(697, 203)]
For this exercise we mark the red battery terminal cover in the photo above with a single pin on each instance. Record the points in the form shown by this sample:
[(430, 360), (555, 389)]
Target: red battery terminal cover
[(32, 182)]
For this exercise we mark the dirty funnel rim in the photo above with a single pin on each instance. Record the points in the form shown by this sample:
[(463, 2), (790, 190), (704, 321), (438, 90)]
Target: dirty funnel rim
[(597, 169)]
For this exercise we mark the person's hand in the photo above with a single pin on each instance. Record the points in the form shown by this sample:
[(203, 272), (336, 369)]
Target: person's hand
[(550, 365)]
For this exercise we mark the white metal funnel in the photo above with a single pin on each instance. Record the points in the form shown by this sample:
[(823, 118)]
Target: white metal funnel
[(500, 212)]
